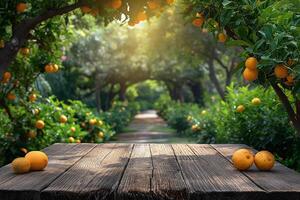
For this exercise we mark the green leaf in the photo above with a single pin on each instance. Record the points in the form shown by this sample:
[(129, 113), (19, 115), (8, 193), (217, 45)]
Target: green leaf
[(238, 43)]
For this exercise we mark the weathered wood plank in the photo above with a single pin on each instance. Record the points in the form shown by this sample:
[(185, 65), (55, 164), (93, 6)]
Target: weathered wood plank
[(95, 176), (210, 176), (167, 181), (136, 181), (281, 183), (6, 171), (28, 186)]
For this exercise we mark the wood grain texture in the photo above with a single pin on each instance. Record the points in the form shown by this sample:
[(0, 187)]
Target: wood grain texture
[(280, 183), (167, 181), (28, 186), (147, 171), (136, 181), (6, 172), (95, 176), (210, 176)]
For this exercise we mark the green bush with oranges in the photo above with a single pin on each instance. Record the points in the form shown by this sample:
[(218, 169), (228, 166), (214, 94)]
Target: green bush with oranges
[(248, 116), (46, 121)]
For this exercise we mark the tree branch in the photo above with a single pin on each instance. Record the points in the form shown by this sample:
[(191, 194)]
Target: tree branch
[(230, 33), (22, 30), (286, 103), (221, 63), (28, 24)]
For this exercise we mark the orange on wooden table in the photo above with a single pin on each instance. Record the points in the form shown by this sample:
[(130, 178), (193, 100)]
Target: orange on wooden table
[(38, 160), (264, 160), (21, 165), (242, 159)]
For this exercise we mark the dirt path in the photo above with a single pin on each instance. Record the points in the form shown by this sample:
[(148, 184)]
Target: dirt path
[(148, 127)]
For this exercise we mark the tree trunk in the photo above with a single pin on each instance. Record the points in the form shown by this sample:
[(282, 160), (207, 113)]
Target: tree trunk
[(214, 79), (98, 92), (122, 92), (197, 90), (110, 96), (171, 91), (293, 116)]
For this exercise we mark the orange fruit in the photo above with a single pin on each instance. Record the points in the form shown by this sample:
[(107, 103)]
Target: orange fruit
[(7, 75), (240, 108), (31, 134), (132, 22), (20, 165), (32, 97), (153, 4), (49, 68), (85, 9), (72, 129), (100, 122), (281, 71), (116, 4), (36, 111), (40, 124), (92, 122), (11, 96), (38, 160), (63, 119), (78, 141), (251, 63), (290, 78), (256, 101), (21, 7), (101, 134), (141, 16), (198, 22), (195, 127), (169, 1), (264, 160), (250, 75), (242, 159), (55, 68), (222, 37), (25, 51), (71, 140)]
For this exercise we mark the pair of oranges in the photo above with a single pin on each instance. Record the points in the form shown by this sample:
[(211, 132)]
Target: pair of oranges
[(33, 161), (243, 159)]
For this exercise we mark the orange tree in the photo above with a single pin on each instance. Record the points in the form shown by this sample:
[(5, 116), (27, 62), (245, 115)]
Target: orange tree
[(29, 20), (269, 32), (33, 35)]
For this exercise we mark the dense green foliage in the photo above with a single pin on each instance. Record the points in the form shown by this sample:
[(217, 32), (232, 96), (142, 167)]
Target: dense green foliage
[(267, 30), (263, 126), (81, 125)]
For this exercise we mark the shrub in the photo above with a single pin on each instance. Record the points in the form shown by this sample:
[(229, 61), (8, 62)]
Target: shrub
[(120, 115), (262, 124), (20, 134)]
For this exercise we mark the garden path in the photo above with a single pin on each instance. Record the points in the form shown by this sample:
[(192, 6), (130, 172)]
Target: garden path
[(148, 127)]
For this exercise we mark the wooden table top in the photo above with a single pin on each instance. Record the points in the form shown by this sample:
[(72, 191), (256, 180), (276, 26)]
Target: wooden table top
[(147, 171)]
